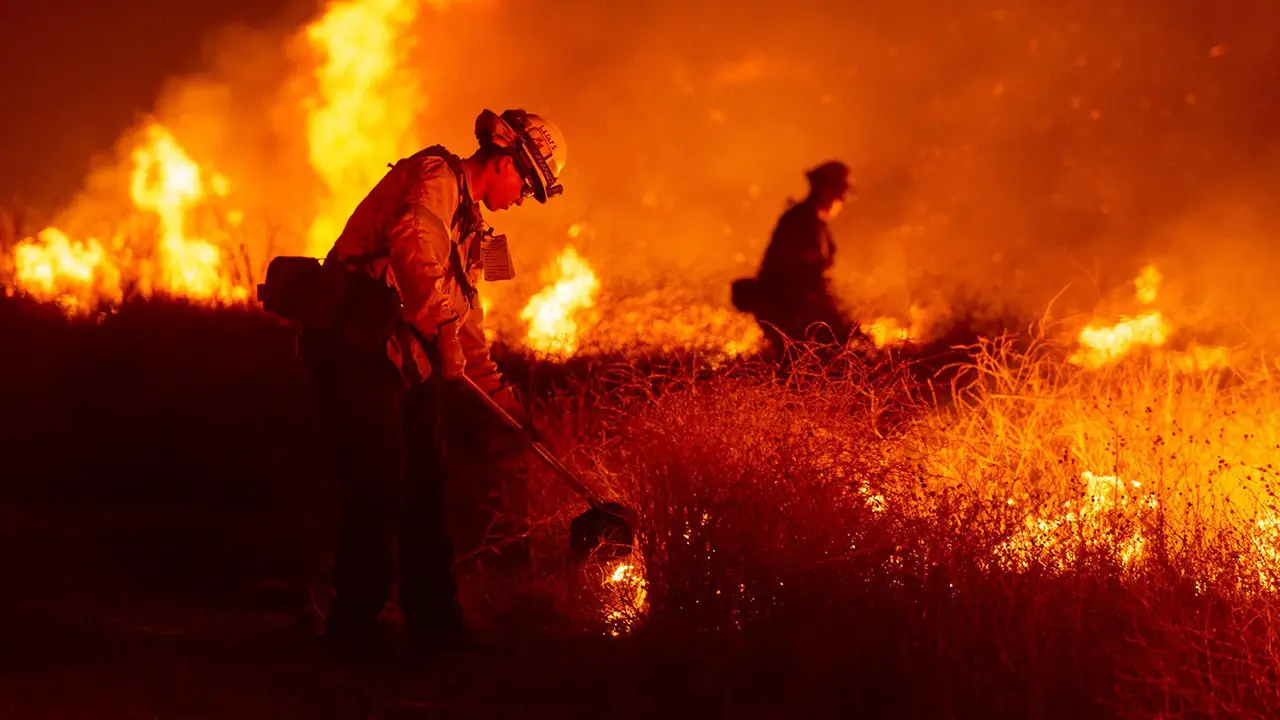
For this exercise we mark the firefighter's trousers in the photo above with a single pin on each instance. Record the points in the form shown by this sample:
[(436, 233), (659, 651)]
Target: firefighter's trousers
[(388, 450)]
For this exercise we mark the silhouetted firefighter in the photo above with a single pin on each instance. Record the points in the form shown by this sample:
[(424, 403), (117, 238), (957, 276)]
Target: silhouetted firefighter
[(791, 295), (391, 314)]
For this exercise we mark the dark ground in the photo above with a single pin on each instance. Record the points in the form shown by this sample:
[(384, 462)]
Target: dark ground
[(164, 525), (164, 520)]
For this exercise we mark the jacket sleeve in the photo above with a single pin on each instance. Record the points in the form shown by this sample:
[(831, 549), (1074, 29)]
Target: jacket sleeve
[(420, 242), (480, 366)]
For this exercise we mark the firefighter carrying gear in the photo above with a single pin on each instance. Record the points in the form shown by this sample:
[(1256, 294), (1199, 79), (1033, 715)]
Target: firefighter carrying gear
[(378, 367), (419, 231), (791, 295)]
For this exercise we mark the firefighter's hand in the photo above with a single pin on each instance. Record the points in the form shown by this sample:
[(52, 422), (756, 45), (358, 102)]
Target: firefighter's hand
[(453, 363), (508, 400)]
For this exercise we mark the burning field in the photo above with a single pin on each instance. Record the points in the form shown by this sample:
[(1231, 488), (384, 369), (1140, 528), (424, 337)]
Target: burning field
[(1041, 483)]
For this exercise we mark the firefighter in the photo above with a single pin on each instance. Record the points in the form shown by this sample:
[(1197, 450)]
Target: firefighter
[(417, 238), (791, 295)]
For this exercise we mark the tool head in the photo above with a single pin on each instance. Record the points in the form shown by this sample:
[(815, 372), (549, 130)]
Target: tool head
[(606, 530)]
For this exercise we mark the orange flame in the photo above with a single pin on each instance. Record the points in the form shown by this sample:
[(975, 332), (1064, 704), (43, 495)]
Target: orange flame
[(52, 267), (625, 595), (1053, 539), (887, 330), (551, 314), (1102, 345), (368, 102), (168, 182), (565, 318), (165, 183), (1105, 344)]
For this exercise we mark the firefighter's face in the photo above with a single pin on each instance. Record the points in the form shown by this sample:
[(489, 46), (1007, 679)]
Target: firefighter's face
[(505, 186), (833, 200)]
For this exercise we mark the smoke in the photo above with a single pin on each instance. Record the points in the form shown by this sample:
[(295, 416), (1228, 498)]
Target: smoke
[(1007, 152), (1010, 152)]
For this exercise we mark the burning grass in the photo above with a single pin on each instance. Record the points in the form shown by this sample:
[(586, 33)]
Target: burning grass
[(1031, 538), (1036, 539)]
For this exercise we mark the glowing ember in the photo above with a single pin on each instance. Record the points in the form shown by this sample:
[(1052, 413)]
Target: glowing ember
[(624, 595), (887, 331), (1100, 522), (368, 102), (551, 314)]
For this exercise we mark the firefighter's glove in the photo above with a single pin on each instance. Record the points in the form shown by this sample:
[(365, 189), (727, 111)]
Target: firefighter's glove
[(508, 400), (453, 362)]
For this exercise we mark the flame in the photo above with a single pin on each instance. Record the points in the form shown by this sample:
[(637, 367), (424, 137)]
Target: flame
[(553, 330), (1266, 545), (1105, 344), (52, 267), (1199, 358), (368, 102), (625, 595), (1092, 524), (887, 330), (566, 318), (1147, 285), (165, 183), (486, 326), (1102, 344)]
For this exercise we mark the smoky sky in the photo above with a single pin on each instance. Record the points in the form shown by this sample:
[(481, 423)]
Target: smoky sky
[(1006, 150), (76, 75), (1014, 151)]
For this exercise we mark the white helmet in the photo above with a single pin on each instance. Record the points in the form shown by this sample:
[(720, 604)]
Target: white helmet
[(541, 147)]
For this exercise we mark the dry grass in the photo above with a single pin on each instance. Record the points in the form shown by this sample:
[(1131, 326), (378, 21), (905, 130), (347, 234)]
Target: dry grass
[(1034, 540), (841, 535)]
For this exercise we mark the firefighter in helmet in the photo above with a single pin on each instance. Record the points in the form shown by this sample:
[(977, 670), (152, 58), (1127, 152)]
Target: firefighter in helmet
[(420, 236), (791, 295)]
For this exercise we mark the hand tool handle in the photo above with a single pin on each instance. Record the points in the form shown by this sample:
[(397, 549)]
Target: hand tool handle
[(565, 473)]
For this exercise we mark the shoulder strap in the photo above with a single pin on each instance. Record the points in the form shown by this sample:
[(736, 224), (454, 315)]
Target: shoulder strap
[(362, 262), (466, 216), (455, 166)]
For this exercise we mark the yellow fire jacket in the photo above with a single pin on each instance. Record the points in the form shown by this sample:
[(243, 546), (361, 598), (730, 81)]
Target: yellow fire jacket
[(419, 230)]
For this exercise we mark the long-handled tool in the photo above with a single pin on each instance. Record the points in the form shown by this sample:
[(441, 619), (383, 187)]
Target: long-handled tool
[(607, 528)]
